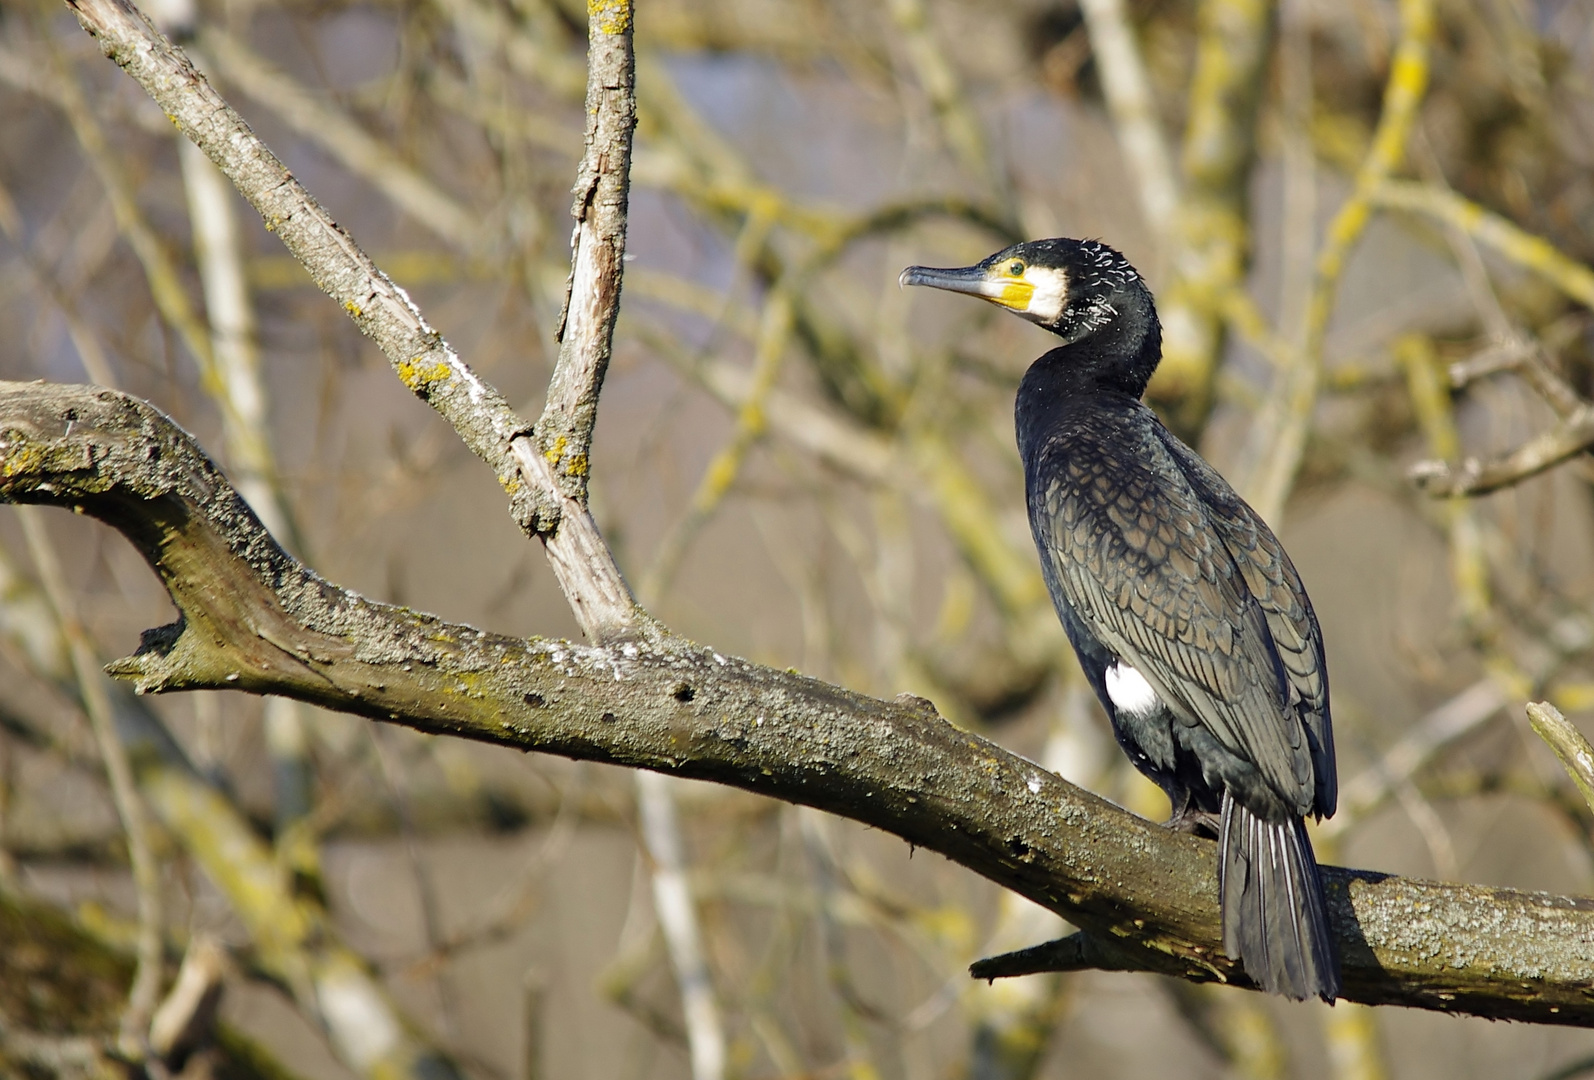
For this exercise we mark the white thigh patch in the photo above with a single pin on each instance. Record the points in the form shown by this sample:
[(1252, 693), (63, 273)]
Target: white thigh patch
[(1130, 691)]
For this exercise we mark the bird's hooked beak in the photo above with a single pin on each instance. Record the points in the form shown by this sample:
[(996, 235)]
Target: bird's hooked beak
[(996, 283)]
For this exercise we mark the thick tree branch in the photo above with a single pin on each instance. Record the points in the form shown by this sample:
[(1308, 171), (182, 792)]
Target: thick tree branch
[(253, 618)]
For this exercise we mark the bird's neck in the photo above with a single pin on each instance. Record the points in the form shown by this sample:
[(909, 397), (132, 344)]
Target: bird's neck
[(1116, 359)]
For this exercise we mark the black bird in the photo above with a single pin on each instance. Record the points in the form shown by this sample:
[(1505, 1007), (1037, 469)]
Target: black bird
[(1187, 615)]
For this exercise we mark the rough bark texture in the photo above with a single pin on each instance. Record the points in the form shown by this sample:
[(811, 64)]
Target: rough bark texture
[(253, 618), (586, 330)]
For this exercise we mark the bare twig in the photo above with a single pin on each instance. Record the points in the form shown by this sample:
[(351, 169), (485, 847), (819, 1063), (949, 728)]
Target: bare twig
[(187, 1016), (1568, 743), (292, 935), (290, 932), (586, 331), (1492, 231), (1430, 403), (1569, 437), (1574, 432), (1530, 358)]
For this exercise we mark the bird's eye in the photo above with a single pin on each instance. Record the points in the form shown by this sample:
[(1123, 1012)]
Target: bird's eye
[(1016, 268)]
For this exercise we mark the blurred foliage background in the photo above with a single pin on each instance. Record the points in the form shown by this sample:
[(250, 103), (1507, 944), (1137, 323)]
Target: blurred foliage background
[(1369, 226)]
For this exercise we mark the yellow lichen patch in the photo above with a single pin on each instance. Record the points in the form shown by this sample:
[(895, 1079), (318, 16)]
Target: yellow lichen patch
[(510, 483), (577, 465), (609, 16), (753, 418), (353, 309), (556, 451), (22, 460), (420, 376)]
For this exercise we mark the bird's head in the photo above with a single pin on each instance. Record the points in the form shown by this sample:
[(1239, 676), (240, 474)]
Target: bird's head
[(1071, 287)]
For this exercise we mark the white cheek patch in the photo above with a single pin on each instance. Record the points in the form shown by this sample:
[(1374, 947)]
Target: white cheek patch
[(1051, 293), (1129, 690)]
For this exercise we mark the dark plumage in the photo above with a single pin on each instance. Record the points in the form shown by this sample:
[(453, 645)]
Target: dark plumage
[(1188, 618)]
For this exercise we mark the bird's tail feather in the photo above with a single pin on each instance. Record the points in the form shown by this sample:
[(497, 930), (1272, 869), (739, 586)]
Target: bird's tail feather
[(1275, 920)]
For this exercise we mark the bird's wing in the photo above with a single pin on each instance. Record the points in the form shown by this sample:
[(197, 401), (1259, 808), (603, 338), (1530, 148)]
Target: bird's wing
[(1143, 565), (1271, 579)]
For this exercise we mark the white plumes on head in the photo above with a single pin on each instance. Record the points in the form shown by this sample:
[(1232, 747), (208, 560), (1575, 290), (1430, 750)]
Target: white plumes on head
[(1051, 293)]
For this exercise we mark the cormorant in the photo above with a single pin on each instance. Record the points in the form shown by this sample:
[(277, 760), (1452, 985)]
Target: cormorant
[(1189, 619)]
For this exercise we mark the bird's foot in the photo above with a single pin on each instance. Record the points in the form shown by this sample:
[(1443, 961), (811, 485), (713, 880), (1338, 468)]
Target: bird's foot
[(1195, 822)]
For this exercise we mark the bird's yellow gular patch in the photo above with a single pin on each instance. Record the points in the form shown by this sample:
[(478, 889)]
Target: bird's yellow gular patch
[(1015, 294), (1037, 292)]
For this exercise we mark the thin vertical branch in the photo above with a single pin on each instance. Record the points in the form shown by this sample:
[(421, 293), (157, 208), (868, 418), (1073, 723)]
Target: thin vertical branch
[(426, 894), (592, 299), (1211, 238), (165, 283), (533, 1024), (1134, 111), (817, 841), (238, 388), (1278, 440), (672, 901), (240, 393), (1430, 402), (144, 995), (1298, 233)]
